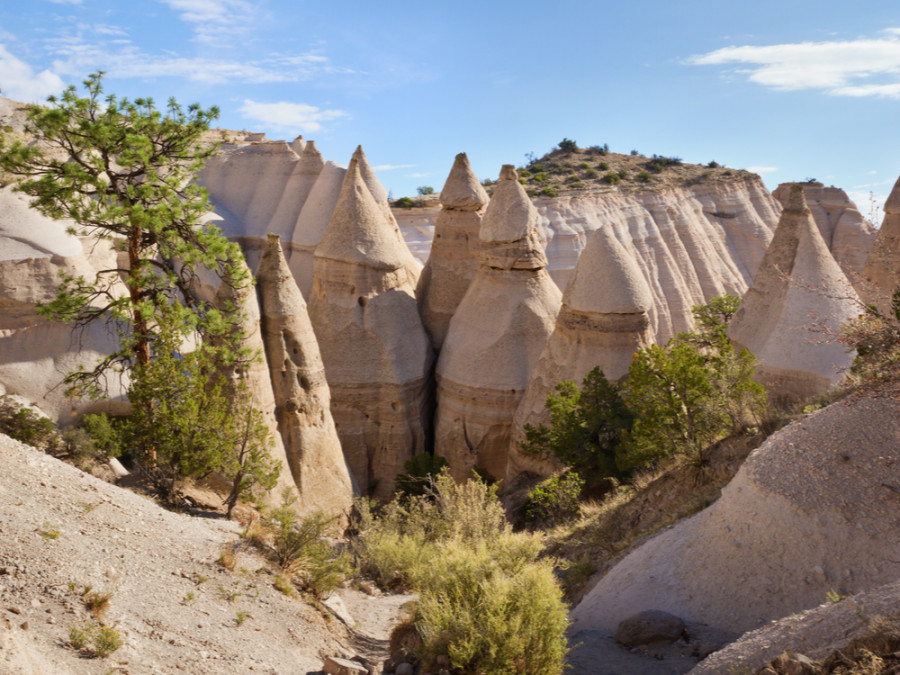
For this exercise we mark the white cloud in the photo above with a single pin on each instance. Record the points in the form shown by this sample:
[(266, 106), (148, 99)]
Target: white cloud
[(67, 2), (19, 81), (287, 116), (762, 169), (416, 175), (215, 20), (391, 167), (836, 67)]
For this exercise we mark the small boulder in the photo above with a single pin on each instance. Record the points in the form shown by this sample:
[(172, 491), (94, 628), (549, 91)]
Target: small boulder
[(648, 627), (335, 666), (794, 664)]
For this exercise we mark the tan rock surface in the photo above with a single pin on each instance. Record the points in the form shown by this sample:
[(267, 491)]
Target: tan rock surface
[(881, 272), (301, 392), (495, 337), (453, 260), (810, 511), (256, 375), (798, 292), (603, 322), (376, 353), (847, 234)]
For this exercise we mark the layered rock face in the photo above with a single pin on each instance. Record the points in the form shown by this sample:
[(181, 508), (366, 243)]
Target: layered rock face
[(847, 234), (798, 293), (691, 243), (809, 512), (603, 322), (36, 354), (881, 273), (495, 336), (301, 395), (256, 375), (376, 352), (454, 252)]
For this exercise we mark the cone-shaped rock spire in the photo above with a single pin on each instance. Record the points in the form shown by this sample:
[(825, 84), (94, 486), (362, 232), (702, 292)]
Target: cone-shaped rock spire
[(603, 322), (376, 352), (881, 273), (453, 260), (256, 375), (798, 288), (301, 391), (299, 185), (495, 336)]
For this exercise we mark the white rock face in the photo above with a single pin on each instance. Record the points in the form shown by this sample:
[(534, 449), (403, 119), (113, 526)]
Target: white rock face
[(881, 273), (36, 354), (603, 322), (256, 376), (376, 353), (691, 243), (302, 397), (495, 336), (847, 234), (454, 253), (798, 291), (807, 513)]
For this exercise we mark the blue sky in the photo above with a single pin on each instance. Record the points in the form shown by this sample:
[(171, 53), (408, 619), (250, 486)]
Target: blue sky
[(792, 90)]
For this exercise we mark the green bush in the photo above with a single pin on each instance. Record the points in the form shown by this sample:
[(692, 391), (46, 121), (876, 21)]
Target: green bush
[(591, 172), (612, 178), (548, 192), (603, 166), (404, 203), (423, 190), (576, 184), (635, 153), (27, 426), (419, 474), (643, 177), (584, 166), (485, 600), (536, 168), (713, 165), (541, 178), (555, 499), (568, 145)]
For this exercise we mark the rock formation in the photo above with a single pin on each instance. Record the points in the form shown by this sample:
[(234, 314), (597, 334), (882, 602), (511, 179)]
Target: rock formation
[(301, 391), (36, 354), (603, 322), (847, 234), (495, 337), (376, 353), (256, 375), (881, 273), (798, 297), (813, 510), (454, 252), (691, 242)]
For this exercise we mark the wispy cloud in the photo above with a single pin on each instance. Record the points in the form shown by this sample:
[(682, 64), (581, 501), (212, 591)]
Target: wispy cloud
[(416, 175), (213, 20), (762, 169), (391, 167), (292, 117), (19, 81), (67, 2), (839, 67)]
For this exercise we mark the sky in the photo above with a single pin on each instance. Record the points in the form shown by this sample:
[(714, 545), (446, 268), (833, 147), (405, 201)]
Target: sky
[(790, 90)]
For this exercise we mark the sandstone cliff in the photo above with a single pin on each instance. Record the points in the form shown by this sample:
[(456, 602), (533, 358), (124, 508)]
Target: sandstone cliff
[(376, 353), (810, 511), (453, 260), (603, 322), (791, 314), (846, 233), (881, 273), (495, 336), (301, 395)]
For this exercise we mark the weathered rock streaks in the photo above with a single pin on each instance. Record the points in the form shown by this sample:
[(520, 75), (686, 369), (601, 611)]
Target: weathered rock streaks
[(301, 394), (881, 273), (791, 314), (495, 336), (454, 252), (376, 353)]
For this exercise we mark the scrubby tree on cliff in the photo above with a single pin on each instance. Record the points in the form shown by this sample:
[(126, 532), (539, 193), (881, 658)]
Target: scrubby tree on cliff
[(121, 171)]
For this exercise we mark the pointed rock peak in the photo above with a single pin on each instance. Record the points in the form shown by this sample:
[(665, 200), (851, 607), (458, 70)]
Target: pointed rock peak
[(796, 202), (359, 231), (607, 280), (311, 158), (463, 191), (892, 205), (298, 144), (368, 175), (277, 288), (510, 215)]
